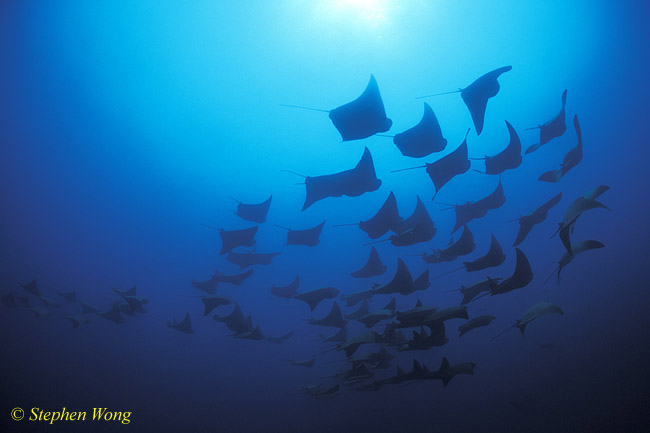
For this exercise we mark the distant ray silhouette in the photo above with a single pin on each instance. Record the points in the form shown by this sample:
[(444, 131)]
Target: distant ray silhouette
[(306, 363), (235, 279), (352, 183), (576, 248), (577, 208), (402, 282), (493, 258), (474, 323), (309, 237), (70, 296), (249, 259), (354, 298), (231, 239), (208, 286), (184, 326), (333, 319), (32, 288), (419, 227), (213, 301), (477, 94), (235, 321), (527, 222), (78, 320), (571, 159), (478, 209), (551, 129), (314, 297), (288, 291), (256, 334), (507, 159), (471, 292), (386, 219), (540, 309), (424, 138), (360, 312), (521, 277), (339, 336), (372, 268), (447, 167), (463, 246), (361, 118), (113, 314), (254, 212), (128, 292), (447, 372)]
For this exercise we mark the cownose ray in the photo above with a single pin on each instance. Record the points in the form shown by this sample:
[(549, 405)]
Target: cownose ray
[(315, 296), (32, 288), (417, 228), (210, 302), (356, 374), (372, 268), (282, 338), (351, 345), (353, 299), (184, 325), (418, 372), (446, 168), (70, 296), (235, 279), (244, 260), (538, 216), (476, 322), (386, 219), (445, 314), (414, 317), (359, 312), (446, 372), (309, 237), (465, 213), (235, 321), (288, 291), (477, 94), (372, 318), (542, 308), (113, 314), (424, 138), (209, 286), (493, 258), (424, 340), (135, 304), (521, 277), (464, 245), (333, 319), (78, 320), (552, 129), (361, 118), (231, 239), (374, 360), (352, 183), (253, 212), (256, 334), (305, 363), (576, 208), (507, 159), (392, 337), (567, 257), (402, 282), (571, 159)]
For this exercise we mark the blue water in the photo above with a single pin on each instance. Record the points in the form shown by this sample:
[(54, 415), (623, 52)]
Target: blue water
[(126, 125)]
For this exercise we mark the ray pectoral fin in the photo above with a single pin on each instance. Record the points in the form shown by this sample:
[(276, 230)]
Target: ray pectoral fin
[(533, 148)]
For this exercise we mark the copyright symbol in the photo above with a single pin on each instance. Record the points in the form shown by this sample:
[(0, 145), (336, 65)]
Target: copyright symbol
[(17, 414)]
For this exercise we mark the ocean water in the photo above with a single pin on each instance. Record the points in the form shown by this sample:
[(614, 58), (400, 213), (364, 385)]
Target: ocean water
[(125, 126)]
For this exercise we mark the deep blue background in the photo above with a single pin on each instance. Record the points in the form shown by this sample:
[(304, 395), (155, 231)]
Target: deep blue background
[(124, 125)]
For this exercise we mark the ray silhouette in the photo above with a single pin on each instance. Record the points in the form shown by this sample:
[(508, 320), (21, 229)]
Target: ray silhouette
[(552, 129)]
